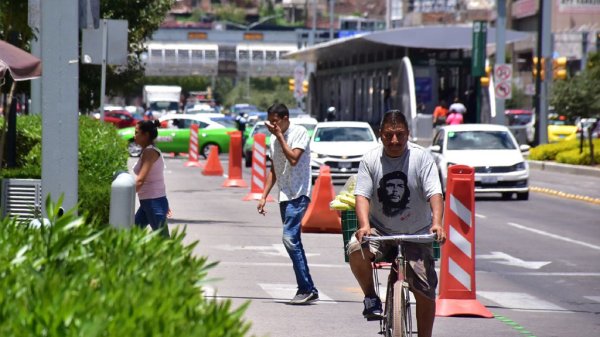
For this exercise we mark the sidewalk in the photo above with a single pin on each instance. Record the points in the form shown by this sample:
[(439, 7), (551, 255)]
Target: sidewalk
[(564, 168)]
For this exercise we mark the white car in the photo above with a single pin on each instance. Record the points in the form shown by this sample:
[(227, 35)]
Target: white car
[(491, 149), (340, 145), (306, 121), (206, 121)]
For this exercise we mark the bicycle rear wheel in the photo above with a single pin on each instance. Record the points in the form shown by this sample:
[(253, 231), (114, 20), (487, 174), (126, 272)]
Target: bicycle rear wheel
[(389, 312)]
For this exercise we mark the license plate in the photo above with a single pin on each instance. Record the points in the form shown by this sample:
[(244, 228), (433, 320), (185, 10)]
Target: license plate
[(489, 180), (345, 165)]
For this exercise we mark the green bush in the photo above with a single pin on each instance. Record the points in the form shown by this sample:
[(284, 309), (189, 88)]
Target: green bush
[(574, 157), (72, 279), (550, 151), (101, 153)]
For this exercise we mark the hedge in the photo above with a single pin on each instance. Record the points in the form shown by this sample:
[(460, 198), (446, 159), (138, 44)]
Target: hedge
[(550, 151), (73, 279), (574, 157), (101, 153)]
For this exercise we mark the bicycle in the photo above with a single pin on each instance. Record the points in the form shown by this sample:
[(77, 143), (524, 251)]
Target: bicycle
[(397, 317)]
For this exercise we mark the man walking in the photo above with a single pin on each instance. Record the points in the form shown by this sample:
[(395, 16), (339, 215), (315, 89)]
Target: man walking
[(290, 168), (395, 183)]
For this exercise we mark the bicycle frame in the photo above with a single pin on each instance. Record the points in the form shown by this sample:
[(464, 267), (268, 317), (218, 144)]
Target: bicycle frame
[(397, 319)]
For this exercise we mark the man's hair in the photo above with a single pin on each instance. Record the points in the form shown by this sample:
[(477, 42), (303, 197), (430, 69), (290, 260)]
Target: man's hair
[(279, 109), (393, 117), (150, 127)]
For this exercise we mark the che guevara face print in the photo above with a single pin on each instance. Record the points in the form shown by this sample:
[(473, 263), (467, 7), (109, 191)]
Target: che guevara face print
[(393, 193)]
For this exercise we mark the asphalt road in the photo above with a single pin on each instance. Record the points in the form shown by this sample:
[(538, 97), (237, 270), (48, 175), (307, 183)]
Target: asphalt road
[(537, 261)]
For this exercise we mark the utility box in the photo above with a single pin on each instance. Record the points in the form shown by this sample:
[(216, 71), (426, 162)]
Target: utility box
[(21, 198), (122, 201)]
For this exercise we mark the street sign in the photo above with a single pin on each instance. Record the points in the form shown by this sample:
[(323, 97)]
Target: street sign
[(503, 81), (503, 90), (478, 54)]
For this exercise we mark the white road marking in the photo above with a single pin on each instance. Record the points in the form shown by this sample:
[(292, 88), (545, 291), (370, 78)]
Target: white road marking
[(285, 292), (273, 250), (283, 264), (512, 261), (554, 236), (480, 216), (520, 301), (593, 298)]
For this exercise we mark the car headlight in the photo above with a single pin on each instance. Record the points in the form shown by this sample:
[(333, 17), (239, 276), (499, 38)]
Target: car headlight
[(520, 166), (315, 155)]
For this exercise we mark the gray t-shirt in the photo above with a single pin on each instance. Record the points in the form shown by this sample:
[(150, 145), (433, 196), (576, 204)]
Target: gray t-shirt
[(293, 181), (399, 189)]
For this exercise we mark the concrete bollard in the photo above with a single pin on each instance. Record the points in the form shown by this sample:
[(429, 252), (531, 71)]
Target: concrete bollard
[(122, 201)]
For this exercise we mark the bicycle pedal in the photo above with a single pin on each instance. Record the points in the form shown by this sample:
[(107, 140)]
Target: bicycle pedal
[(374, 318)]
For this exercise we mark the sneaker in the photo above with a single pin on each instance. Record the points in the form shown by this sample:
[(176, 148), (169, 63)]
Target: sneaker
[(304, 298), (373, 309)]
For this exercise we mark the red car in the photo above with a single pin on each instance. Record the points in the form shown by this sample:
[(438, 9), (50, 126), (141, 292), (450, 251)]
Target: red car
[(120, 118)]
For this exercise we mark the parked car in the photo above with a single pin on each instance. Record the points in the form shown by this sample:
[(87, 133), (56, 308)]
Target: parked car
[(198, 108), (120, 118), (491, 150), (174, 134), (560, 128), (521, 123), (340, 145), (259, 127)]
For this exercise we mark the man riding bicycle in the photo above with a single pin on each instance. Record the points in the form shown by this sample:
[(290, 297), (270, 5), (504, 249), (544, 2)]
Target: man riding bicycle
[(395, 183)]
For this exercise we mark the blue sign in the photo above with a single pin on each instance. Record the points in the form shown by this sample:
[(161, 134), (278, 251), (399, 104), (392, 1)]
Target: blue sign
[(423, 89)]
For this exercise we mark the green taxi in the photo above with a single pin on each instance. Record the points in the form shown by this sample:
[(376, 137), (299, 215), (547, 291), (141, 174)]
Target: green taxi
[(174, 134)]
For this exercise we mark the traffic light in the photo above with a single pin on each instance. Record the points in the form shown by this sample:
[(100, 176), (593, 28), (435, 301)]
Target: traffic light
[(305, 87), (559, 68), (485, 80), (292, 84), (534, 70)]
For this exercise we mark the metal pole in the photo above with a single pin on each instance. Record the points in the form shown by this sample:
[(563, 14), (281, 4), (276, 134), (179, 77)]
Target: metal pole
[(103, 76), (546, 44), (500, 55), (313, 32), (60, 98), (584, 49), (331, 3), (388, 14)]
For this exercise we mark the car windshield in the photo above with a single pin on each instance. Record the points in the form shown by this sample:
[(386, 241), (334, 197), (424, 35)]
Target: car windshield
[(480, 140), (200, 111), (225, 121), (518, 119), (260, 128), (308, 126), (157, 106), (343, 134)]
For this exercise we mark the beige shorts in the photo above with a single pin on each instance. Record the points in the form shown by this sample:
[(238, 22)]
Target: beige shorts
[(421, 275)]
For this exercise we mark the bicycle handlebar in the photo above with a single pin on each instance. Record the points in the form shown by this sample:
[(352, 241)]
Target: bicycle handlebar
[(418, 238)]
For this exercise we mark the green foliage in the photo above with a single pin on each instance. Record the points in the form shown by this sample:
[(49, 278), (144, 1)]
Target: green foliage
[(13, 22), (72, 279), (579, 96), (574, 157), (101, 153), (263, 93), (551, 151), (187, 83), (230, 13)]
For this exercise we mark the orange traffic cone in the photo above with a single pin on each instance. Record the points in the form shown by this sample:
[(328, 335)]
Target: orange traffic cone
[(213, 164), (319, 218), (234, 178), (259, 169), (457, 270)]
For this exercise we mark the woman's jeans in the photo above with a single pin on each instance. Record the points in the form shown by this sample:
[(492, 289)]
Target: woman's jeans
[(153, 212), (292, 212)]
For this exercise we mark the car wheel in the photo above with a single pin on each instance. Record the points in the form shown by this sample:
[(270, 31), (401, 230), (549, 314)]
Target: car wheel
[(206, 149), (134, 149), (248, 159), (523, 196), (507, 195)]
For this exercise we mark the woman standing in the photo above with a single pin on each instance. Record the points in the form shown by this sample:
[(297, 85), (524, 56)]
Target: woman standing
[(150, 180)]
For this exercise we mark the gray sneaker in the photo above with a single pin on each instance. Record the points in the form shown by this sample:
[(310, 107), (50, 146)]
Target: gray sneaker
[(304, 298)]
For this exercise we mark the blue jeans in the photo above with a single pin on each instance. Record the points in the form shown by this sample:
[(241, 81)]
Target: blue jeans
[(153, 212), (292, 212)]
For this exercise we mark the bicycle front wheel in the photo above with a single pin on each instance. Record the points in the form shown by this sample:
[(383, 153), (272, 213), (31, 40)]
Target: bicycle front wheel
[(401, 324)]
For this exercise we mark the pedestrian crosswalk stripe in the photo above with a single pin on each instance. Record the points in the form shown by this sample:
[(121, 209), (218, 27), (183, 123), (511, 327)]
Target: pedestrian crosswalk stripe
[(520, 301), (282, 292), (593, 298)]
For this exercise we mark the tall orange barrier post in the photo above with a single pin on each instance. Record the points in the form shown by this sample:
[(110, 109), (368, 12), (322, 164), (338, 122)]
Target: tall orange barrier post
[(193, 148), (457, 271), (319, 218), (234, 178), (213, 165), (259, 169)]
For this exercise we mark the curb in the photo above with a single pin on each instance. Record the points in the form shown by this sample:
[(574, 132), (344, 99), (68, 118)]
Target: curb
[(564, 168)]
